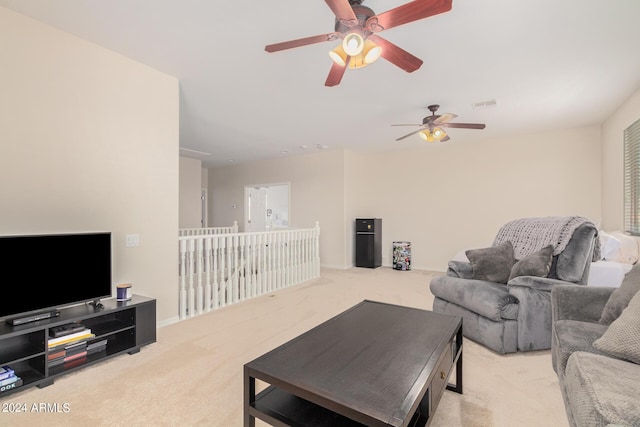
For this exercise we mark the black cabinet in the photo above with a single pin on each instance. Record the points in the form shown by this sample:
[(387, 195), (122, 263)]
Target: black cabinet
[(368, 242), (125, 325)]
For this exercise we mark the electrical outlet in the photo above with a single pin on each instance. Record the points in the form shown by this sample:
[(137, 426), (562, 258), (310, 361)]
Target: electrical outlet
[(132, 240)]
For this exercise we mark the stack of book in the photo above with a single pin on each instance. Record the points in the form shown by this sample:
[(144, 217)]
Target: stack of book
[(68, 345), (8, 379)]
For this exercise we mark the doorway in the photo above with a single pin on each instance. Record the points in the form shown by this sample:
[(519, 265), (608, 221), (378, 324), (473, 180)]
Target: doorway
[(267, 207)]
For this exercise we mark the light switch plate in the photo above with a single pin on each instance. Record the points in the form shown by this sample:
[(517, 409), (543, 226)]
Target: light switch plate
[(132, 240)]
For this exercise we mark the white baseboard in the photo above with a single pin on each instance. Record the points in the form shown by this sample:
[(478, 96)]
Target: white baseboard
[(335, 267), (167, 322)]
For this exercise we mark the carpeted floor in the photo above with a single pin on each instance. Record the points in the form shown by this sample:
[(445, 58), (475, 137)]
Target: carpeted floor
[(193, 375)]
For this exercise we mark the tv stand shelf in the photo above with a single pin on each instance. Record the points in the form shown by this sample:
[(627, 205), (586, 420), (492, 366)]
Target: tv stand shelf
[(127, 326)]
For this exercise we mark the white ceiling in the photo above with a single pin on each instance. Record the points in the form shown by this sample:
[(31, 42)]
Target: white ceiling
[(549, 64)]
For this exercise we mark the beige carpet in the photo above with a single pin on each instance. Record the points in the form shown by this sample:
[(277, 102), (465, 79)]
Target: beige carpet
[(193, 374)]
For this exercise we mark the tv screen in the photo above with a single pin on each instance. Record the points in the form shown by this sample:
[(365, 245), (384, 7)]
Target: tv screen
[(45, 272)]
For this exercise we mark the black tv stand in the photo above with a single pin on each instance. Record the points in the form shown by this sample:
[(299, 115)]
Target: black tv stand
[(33, 317), (126, 326)]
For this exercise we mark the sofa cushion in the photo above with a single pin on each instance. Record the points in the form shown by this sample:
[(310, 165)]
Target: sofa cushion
[(536, 264), (601, 390), (620, 297), (487, 299), (622, 338), (572, 336), (492, 264)]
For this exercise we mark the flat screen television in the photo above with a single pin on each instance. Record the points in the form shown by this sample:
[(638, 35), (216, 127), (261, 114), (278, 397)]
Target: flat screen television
[(46, 272)]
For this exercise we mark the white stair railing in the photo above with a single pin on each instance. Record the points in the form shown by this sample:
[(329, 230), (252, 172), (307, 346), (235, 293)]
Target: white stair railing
[(205, 231), (218, 269)]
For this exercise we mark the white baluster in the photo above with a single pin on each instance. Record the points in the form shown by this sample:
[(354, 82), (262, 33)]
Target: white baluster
[(216, 289), (259, 263), (190, 290), (287, 258), (199, 269), (303, 276), (251, 247), (296, 258), (317, 251), (223, 278), (270, 262), (242, 249), (308, 248), (182, 304), (207, 268), (235, 270), (279, 257)]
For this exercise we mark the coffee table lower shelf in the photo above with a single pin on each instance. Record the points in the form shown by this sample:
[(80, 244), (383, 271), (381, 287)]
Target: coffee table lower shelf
[(279, 408)]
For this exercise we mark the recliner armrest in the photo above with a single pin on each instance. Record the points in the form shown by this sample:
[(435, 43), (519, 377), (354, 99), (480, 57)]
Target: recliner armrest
[(461, 269), (574, 302), (536, 283)]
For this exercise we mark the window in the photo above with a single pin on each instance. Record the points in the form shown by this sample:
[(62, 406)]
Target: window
[(632, 179)]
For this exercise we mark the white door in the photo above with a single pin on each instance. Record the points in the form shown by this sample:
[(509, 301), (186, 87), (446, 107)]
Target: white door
[(257, 209)]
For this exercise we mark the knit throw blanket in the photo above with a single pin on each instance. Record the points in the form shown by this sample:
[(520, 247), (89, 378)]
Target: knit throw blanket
[(528, 235)]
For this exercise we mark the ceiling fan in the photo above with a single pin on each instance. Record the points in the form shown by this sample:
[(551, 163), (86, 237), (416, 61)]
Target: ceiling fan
[(357, 26), (432, 126)]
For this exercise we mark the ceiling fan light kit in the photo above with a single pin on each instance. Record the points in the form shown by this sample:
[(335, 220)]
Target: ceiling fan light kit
[(353, 43), (431, 126), (369, 54), (357, 26), (437, 135)]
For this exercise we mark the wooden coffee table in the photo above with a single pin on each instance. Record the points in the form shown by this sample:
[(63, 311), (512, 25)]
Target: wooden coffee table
[(376, 364)]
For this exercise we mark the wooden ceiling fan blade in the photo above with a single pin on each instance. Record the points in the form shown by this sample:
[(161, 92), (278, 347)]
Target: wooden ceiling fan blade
[(397, 56), (445, 138), (342, 9), (464, 125), (408, 135), (301, 42), (445, 118), (336, 72), (409, 12)]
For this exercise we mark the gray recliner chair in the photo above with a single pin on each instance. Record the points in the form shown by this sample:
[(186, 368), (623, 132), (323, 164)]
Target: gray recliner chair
[(513, 316)]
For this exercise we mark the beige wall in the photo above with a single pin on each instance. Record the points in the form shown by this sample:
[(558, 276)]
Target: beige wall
[(447, 197), (612, 162), (316, 188), (190, 193), (88, 142), (443, 197)]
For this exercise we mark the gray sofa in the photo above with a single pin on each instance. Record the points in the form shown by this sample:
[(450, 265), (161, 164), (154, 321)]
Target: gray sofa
[(514, 315), (596, 351)]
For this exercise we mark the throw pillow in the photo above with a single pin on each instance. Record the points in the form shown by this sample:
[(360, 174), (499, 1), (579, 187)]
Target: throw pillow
[(620, 297), (622, 338), (536, 264), (492, 264)]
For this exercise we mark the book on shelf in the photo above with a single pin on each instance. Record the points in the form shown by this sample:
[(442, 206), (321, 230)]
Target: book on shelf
[(11, 386), (56, 362), (75, 362), (75, 356), (10, 380), (63, 330), (69, 339), (67, 346), (5, 372), (76, 349), (56, 355), (96, 350), (96, 344)]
